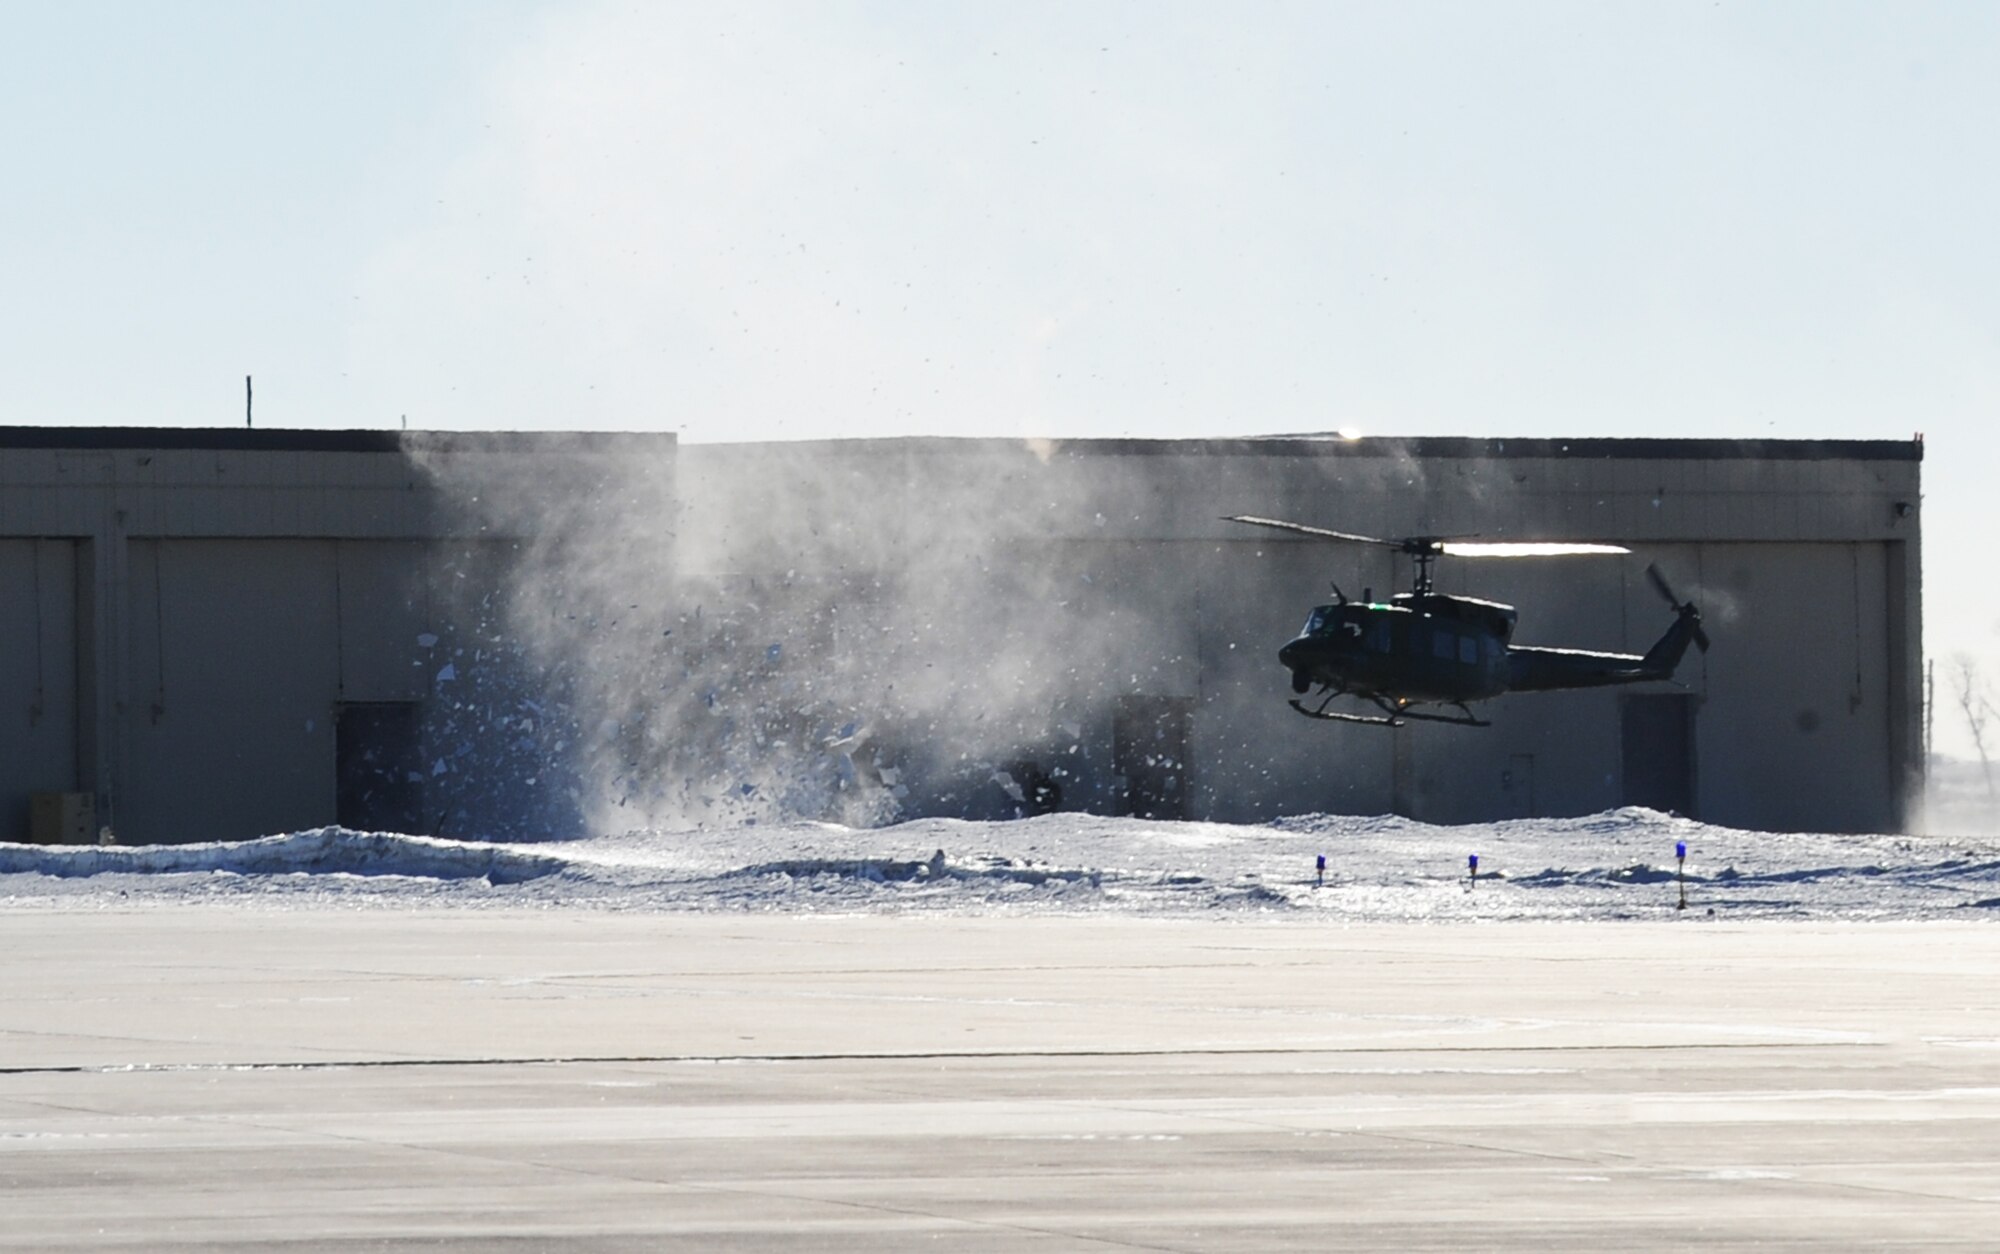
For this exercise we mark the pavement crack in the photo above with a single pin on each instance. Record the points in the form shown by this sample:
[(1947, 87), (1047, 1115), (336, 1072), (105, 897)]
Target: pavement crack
[(973, 1055)]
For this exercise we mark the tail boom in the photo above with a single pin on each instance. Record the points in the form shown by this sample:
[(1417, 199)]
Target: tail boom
[(1533, 669)]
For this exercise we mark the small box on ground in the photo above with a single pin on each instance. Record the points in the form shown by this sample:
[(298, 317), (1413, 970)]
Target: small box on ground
[(62, 818)]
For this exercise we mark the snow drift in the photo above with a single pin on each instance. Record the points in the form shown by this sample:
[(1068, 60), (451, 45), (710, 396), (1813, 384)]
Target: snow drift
[(322, 851), (1615, 865)]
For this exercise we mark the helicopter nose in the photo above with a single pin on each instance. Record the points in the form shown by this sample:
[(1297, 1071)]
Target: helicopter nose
[(1303, 654)]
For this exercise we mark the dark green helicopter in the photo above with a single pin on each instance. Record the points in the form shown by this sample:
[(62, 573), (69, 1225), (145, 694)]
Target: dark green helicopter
[(1430, 648)]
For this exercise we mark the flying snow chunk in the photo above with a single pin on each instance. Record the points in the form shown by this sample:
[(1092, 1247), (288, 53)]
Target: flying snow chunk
[(449, 672)]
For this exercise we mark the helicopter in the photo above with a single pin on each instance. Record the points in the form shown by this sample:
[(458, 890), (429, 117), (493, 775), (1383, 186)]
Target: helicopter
[(1424, 647)]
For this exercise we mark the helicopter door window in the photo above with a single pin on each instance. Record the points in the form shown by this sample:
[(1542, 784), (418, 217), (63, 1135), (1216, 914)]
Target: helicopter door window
[(1378, 636), (1468, 650), (1441, 645)]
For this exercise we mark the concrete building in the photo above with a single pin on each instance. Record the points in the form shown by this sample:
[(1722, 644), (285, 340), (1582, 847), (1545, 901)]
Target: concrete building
[(211, 634), (221, 634)]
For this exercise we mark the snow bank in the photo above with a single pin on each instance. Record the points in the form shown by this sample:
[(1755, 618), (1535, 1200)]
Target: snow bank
[(325, 850), (1619, 864)]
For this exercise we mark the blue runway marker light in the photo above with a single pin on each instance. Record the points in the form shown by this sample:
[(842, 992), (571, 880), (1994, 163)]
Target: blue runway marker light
[(1681, 850), (1471, 870)]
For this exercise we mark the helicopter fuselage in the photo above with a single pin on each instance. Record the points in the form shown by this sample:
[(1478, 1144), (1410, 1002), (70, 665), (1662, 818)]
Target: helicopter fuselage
[(1432, 648), (1414, 648)]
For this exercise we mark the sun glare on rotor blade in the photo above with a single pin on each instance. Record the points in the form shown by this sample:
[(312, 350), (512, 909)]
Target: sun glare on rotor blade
[(1525, 548)]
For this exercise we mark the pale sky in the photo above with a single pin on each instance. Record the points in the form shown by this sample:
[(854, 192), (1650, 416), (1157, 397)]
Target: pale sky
[(754, 221)]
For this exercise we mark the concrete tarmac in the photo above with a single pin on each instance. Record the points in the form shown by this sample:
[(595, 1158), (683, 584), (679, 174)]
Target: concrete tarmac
[(200, 1078)]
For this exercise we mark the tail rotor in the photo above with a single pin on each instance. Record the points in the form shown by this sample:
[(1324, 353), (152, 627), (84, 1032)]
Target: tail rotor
[(1686, 609)]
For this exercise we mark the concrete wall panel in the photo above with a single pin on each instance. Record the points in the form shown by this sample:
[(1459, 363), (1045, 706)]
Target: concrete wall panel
[(1794, 731), (380, 587), (38, 676), (239, 742)]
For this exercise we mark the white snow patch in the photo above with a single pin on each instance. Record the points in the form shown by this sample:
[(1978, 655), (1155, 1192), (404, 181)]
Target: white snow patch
[(1615, 865)]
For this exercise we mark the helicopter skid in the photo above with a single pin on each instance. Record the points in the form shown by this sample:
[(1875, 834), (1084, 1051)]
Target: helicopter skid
[(1334, 717), (1467, 720), (1392, 718)]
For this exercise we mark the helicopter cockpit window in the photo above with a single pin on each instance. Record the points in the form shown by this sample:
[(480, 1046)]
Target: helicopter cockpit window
[(1319, 623)]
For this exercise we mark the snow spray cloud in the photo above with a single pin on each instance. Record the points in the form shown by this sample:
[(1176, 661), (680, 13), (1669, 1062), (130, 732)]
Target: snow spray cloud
[(842, 630), (876, 626), (536, 618)]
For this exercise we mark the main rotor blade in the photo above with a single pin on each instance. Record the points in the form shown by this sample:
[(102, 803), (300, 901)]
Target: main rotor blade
[(1523, 548), (1437, 544), (1279, 524)]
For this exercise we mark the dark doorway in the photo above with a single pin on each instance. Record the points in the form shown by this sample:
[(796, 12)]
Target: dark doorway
[(1658, 736), (1517, 787), (378, 767), (1149, 747)]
